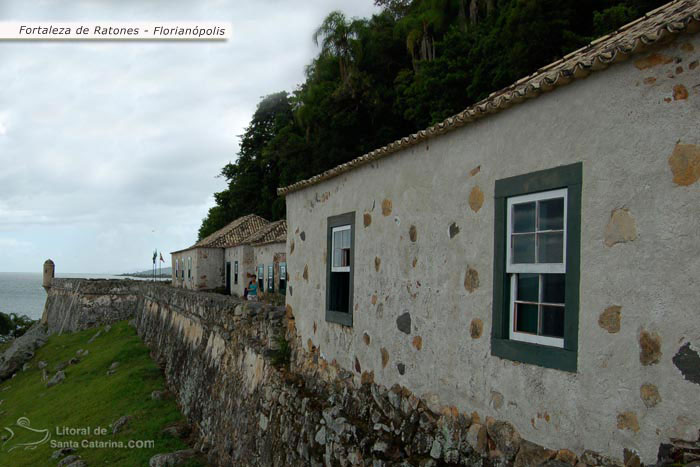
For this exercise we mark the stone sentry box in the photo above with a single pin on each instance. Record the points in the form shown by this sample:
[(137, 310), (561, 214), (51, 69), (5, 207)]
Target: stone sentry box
[(426, 279)]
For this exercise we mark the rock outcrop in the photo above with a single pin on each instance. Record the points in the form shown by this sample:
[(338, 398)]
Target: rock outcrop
[(21, 351)]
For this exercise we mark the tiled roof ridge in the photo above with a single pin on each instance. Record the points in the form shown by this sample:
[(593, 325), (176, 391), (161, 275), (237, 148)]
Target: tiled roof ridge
[(210, 240), (274, 232), (670, 19)]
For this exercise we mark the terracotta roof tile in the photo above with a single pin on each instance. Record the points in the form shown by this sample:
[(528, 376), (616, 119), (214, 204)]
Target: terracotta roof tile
[(275, 232), (669, 20), (233, 234)]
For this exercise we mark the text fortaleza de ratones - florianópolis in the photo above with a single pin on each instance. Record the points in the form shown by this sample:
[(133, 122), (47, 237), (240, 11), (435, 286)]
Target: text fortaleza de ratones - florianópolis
[(157, 31)]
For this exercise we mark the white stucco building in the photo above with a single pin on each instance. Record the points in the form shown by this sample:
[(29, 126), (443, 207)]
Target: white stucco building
[(534, 258), (202, 266)]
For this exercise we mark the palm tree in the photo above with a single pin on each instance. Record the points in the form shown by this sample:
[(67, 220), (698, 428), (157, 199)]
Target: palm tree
[(338, 38)]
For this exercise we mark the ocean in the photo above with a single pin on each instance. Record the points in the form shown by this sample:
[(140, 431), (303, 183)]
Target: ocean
[(22, 293)]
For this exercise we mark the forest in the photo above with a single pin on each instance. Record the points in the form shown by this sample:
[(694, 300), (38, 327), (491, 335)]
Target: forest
[(378, 79)]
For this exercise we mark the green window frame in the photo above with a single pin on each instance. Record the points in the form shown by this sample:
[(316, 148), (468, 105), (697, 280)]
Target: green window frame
[(235, 272), (261, 277), (270, 278), (568, 177), (283, 278), (340, 278)]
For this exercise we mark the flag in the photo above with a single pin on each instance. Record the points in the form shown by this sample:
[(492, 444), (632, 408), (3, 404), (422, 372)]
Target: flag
[(161, 257), (155, 255)]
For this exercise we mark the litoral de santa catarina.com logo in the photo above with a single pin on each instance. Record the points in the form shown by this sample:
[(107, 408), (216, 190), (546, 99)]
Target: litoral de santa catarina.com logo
[(21, 435)]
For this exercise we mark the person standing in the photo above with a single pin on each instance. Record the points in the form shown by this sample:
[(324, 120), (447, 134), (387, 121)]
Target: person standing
[(253, 290)]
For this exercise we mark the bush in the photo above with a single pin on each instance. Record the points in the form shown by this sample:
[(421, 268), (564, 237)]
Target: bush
[(13, 325), (283, 353)]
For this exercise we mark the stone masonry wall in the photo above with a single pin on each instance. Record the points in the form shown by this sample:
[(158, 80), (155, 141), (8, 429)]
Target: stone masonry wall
[(76, 304), (217, 354)]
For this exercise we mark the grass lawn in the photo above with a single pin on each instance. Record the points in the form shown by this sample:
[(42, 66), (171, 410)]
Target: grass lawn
[(87, 399)]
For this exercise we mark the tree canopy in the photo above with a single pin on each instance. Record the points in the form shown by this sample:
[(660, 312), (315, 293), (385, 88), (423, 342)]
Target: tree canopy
[(375, 80)]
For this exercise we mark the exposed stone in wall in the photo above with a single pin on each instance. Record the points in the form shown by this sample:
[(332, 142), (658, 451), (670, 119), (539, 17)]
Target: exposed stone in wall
[(413, 233), (505, 437), (417, 342), (306, 272), (496, 400), (649, 394), (403, 323), (291, 247), (471, 280), (687, 361), (476, 328), (367, 219), (377, 263), (386, 207), (385, 357), (610, 319), (476, 199), (302, 235), (531, 454), (621, 228), (628, 421), (453, 230), (475, 171), (652, 61), (401, 369), (685, 164), (366, 338), (649, 348), (566, 456), (680, 92)]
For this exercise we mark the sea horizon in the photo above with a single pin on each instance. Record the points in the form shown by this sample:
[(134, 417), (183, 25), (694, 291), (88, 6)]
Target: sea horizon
[(23, 294)]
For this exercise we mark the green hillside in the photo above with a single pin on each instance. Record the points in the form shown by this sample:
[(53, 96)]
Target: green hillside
[(89, 398)]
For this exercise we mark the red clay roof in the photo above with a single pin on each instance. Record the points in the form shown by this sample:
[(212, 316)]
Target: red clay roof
[(233, 234)]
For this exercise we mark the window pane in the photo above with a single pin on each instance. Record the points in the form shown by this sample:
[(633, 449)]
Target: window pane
[(346, 257), (337, 239), (346, 238), (524, 217), (339, 293), (553, 321), (526, 318), (523, 248), (553, 288), (552, 214), (528, 287), (551, 247), (337, 257)]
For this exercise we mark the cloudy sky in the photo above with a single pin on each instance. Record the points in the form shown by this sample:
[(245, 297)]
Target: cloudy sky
[(109, 150)]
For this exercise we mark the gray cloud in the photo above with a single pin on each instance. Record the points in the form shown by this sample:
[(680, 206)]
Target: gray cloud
[(102, 144)]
